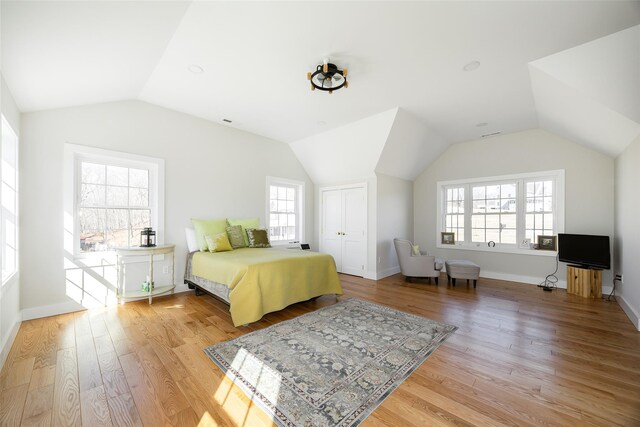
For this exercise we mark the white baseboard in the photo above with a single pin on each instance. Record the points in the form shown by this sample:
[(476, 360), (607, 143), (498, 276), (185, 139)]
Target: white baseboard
[(387, 272), (519, 278), (372, 275), (631, 313), (70, 307), (8, 340), (51, 310)]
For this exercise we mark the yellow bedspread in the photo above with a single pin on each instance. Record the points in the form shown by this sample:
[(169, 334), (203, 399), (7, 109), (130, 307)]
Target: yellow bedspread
[(263, 280)]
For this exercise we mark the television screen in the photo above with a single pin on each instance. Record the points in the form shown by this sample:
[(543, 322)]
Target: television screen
[(584, 250)]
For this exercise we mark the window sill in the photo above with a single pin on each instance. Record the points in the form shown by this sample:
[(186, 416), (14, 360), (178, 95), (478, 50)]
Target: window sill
[(481, 247)]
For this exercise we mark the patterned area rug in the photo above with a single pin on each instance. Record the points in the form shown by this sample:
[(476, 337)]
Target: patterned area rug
[(332, 367)]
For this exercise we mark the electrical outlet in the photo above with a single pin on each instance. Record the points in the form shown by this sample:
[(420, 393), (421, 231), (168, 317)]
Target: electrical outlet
[(165, 269)]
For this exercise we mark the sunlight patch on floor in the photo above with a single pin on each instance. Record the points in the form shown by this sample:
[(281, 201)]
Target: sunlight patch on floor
[(267, 383), (207, 421)]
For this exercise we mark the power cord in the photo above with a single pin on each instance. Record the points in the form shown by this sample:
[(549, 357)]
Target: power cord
[(613, 291), (549, 282)]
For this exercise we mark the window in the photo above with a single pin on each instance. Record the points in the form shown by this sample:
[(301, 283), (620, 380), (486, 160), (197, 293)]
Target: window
[(9, 196), (284, 210), (454, 212), (539, 210), (116, 195), (505, 210), (494, 213)]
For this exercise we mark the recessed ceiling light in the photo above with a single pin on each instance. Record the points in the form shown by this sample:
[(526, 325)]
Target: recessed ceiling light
[(491, 134), (321, 123), (471, 66), (482, 124), (195, 69)]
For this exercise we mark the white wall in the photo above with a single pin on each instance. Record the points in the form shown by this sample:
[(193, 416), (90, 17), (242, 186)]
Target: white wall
[(395, 219), (589, 188), (410, 147), (211, 171), (348, 153), (627, 230), (10, 315)]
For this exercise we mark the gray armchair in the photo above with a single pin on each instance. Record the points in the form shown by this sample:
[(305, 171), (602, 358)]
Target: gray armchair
[(422, 265)]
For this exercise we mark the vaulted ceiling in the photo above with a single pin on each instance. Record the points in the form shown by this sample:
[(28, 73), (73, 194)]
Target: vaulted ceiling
[(255, 55)]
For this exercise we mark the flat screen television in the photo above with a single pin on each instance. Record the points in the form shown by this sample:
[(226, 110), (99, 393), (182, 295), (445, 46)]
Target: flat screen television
[(585, 250)]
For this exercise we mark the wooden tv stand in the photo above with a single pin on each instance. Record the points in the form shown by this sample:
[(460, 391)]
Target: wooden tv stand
[(585, 282)]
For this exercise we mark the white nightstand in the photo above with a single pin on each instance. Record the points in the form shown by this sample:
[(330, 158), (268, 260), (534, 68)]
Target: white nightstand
[(138, 251)]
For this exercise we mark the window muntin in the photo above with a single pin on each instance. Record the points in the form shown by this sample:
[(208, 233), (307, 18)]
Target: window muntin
[(284, 210), (454, 211), (494, 213), (9, 201), (504, 209), (113, 205), (539, 208)]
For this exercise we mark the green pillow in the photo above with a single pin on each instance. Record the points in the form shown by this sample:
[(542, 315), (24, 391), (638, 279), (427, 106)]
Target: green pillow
[(218, 243), (235, 236), (258, 238), (245, 223), (207, 227)]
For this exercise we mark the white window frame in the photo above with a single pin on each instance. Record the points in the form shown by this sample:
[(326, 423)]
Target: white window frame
[(300, 214), (558, 176), (74, 156), (3, 212)]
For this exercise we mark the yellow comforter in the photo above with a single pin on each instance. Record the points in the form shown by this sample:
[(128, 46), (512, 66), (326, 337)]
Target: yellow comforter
[(263, 280)]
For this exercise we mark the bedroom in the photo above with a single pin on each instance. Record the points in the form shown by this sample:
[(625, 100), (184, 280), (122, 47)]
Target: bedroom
[(83, 73)]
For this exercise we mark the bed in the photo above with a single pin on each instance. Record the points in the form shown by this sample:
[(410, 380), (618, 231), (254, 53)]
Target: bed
[(257, 281)]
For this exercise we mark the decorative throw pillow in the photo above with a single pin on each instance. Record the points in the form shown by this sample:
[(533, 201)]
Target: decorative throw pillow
[(415, 250), (245, 223), (258, 238), (218, 243), (236, 236), (207, 227)]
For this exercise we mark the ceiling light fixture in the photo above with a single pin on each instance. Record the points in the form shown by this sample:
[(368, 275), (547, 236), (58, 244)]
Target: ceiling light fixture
[(472, 66), (328, 77), (195, 69)]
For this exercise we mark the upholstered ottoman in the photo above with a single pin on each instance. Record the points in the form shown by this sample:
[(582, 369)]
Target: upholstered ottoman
[(462, 269)]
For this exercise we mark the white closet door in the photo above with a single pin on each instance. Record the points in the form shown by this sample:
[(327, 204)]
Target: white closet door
[(354, 220), (332, 225)]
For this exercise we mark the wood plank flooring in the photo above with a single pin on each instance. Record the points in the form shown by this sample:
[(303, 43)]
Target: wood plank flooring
[(521, 357)]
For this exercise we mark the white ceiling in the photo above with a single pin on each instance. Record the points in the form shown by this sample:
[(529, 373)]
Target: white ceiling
[(256, 55), (60, 54), (590, 94)]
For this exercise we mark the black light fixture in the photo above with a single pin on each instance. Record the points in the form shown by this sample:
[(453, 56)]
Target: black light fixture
[(328, 77), (147, 238)]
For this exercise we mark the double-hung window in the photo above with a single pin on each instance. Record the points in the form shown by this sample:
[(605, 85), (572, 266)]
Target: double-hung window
[(116, 196), (9, 196), (505, 212), (285, 201)]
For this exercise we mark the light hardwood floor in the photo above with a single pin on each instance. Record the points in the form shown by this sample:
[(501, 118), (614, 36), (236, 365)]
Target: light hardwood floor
[(521, 357)]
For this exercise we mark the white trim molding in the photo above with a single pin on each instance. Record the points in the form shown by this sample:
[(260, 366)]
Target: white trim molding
[(631, 313), (73, 155), (300, 189), (558, 176), (9, 339), (51, 310), (387, 272)]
